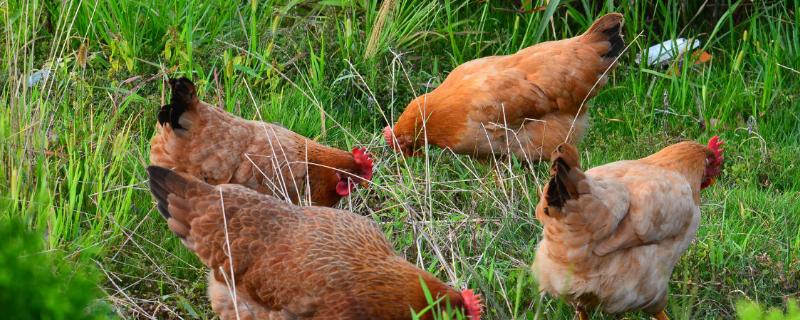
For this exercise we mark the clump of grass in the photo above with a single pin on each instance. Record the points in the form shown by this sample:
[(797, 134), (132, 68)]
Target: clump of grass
[(751, 310), (37, 284)]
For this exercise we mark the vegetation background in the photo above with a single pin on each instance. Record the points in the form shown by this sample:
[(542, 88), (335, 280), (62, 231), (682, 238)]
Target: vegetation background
[(81, 82)]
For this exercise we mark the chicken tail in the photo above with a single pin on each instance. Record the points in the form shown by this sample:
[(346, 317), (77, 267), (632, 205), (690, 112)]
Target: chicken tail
[(184, 98), (171, 190), (565, 174), (607, 28)]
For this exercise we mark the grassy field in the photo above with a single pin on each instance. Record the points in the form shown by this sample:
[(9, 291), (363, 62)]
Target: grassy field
[(75, 142)]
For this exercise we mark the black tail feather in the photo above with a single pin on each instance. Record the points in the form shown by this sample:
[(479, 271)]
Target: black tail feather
[(163, 114), (164, 182), (558, 191), (608, 28), (563, 182), (158, 175), (184, 97), (163, 209), (615, 38)]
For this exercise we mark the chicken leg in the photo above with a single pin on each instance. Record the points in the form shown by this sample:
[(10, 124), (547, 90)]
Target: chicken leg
[(582, 315), (661, 315)]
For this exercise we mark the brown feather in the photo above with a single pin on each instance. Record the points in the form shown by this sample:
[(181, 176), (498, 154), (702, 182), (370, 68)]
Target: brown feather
[(219, 148), (289, 261), (524, 104)]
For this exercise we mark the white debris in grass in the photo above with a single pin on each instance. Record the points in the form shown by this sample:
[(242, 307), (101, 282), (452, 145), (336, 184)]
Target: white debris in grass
[(667, 51)]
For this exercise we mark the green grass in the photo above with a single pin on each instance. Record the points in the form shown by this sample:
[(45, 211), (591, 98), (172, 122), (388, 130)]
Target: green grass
[(73, 147), (753, 311), (53, 287)]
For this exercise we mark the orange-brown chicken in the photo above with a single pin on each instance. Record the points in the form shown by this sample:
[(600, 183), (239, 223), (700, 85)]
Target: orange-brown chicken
[(273, 260), (524, 104), (613, 234), (218, 147)]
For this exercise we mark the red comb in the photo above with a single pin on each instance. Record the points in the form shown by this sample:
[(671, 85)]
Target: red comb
[(387, 135), (364, 161), (714, 162), (472, 304), (715, 144)]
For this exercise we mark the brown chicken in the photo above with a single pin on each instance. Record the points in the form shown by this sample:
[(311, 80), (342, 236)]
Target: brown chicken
[(288, 262), (613, 234), (218, 147), (524, 104)]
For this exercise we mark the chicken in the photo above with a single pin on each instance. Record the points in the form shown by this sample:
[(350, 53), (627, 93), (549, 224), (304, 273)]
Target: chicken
[(613, 234), (524, 104), (218, 147), (291, 262)]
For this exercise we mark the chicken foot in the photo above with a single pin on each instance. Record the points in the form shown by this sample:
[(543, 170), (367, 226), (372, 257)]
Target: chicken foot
[(581, 313), (661, 315)]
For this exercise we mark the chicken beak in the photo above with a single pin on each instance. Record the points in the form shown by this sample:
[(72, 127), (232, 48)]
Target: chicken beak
[(364, 183)]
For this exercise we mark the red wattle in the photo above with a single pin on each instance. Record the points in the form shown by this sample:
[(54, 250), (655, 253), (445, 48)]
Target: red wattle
[(472, 304), (342, 188)]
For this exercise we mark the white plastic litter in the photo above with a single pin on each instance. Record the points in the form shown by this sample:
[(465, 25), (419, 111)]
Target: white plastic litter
[(667, 50), (38, 76)]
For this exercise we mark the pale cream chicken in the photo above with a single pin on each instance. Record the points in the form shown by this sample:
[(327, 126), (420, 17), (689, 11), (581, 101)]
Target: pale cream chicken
[(613, 234)]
